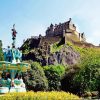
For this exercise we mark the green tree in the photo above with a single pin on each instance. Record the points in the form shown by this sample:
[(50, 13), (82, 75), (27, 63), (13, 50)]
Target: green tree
[(54, 74), (1, 52), (88, 76), (35, 78)]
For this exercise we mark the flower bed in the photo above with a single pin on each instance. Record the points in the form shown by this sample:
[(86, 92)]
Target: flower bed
[(40, 96)]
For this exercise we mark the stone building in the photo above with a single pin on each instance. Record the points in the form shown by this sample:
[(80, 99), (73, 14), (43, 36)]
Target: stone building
[(67, 29)]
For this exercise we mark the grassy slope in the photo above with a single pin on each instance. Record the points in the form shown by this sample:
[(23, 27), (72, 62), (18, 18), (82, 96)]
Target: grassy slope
[(83, 51)]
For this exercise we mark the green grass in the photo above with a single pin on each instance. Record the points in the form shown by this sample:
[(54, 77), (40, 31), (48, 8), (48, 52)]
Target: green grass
[(55, 47)]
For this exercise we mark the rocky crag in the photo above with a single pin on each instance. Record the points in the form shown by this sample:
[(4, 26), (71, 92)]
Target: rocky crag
[(53, 48)]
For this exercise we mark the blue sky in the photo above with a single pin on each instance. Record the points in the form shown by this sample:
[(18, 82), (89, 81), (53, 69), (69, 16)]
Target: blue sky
[(32, 17)]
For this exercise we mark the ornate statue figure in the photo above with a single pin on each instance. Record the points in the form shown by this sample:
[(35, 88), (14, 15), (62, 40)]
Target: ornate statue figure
[(14, 35), (9, 54)]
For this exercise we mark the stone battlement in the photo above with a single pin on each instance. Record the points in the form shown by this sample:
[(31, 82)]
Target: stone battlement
[(64, 28), (54, 30)]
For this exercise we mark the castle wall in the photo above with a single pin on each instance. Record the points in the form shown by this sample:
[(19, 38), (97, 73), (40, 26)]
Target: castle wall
[(71, 37), (55, 30), (49, 40), (68, 28)]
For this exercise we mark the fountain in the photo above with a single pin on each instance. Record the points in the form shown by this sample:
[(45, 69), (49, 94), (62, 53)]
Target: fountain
[(13, 67)]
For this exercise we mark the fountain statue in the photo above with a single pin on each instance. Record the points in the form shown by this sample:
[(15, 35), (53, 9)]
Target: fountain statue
[(13, 68)]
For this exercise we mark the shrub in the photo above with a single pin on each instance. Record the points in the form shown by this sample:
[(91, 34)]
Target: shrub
[(88, 78), (1, 52), (35, 78), (55, 47), (67, 79), (40, 96), (53, 74)]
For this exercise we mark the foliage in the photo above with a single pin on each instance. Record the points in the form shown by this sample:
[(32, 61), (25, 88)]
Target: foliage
[(88, 76), (67, 79), (40, 96), (87, 79), (26, 48), (35, 78), (54, 74), (1, 52), (85, 52), (55, 47)]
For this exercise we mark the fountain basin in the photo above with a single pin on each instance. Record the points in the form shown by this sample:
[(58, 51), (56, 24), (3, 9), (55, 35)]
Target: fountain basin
[(17, 89), (23, 67), (12, 68), (4, 89)]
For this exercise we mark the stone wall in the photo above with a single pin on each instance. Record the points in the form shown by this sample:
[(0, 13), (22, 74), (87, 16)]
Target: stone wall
[(62, 28), (49, 40), (55, 30)]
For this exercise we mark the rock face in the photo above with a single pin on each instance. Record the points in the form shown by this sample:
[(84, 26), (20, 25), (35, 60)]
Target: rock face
[(66, 56), (39, 42), (39, 49)]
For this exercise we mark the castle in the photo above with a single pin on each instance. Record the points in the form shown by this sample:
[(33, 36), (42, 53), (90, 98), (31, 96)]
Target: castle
[(56, 33), (60, 34), (67, 30)]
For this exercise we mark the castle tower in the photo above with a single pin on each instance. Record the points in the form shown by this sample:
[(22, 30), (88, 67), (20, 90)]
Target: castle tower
[(67, 29)]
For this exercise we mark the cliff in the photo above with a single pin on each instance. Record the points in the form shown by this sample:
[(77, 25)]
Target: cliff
[(53, 50)]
